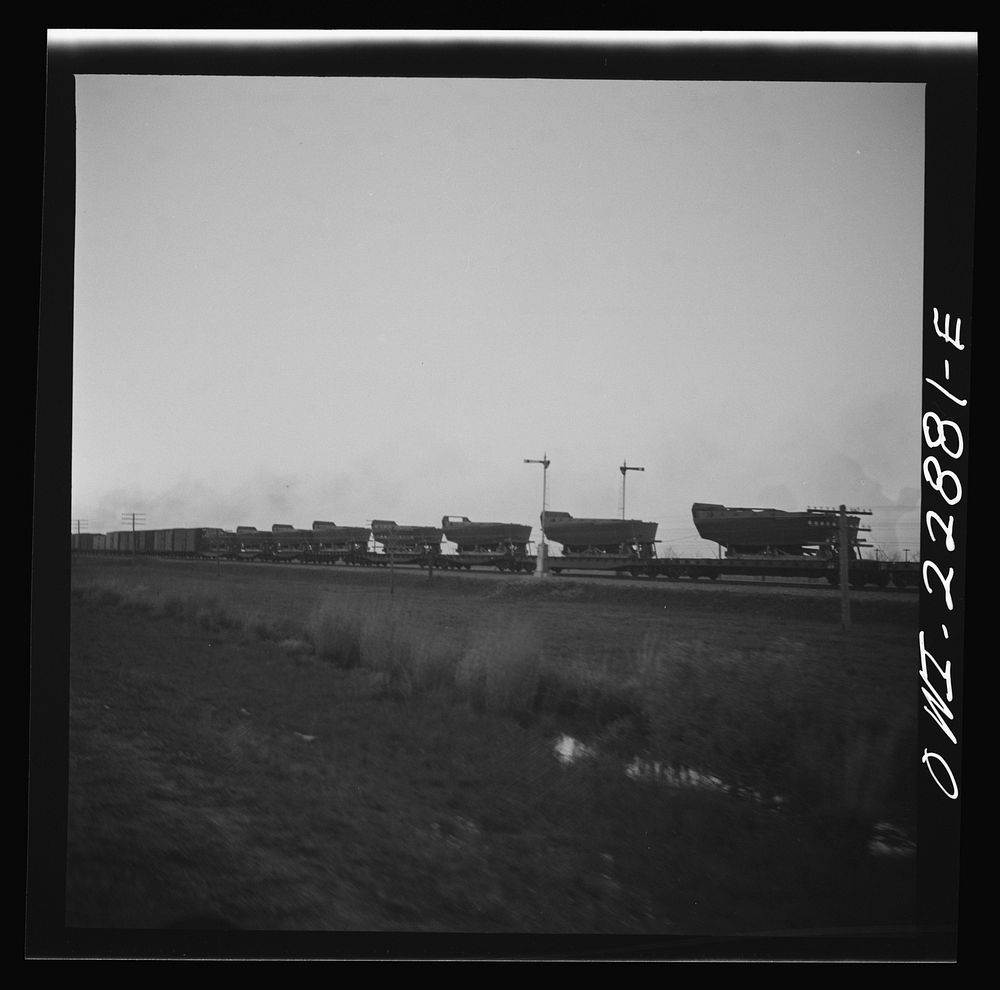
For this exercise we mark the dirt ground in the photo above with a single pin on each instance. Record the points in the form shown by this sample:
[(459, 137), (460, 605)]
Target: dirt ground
[(208, 774)]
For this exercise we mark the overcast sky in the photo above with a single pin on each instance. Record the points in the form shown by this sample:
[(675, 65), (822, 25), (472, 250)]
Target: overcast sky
[(357, 298)]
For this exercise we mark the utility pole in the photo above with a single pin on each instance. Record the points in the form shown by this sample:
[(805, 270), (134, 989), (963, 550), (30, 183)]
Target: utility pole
[(541, 567), (387, 537), (845, 597), (392, 560), (135, 517), (625, 467), (78, 523)]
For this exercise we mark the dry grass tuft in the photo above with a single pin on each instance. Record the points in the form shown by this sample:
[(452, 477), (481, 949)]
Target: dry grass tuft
[(500, 669), (754, 719), (335, 635)]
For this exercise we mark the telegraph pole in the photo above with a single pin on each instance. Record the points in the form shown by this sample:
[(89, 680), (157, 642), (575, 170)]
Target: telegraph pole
[(78, 523), (845, 597), (388, 542), (135, 517), (541, 567), (392, 560), (625, 467)]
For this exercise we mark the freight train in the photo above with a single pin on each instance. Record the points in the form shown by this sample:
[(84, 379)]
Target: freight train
[(621, 546)]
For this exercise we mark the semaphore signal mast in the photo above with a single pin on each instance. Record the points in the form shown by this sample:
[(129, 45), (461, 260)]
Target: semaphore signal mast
[(541, 567), (626, 467)]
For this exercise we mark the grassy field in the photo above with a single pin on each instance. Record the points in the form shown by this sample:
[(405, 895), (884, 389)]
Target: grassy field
[(296, 749)]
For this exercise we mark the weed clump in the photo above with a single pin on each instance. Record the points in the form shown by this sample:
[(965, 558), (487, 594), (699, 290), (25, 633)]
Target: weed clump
[(388, 641), (336, 636), (755, 720), (497, 668), (500, 669)]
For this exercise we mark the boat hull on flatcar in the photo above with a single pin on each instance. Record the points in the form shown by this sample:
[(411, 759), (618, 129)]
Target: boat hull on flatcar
[(749, 531), (405, 538), (484, 536), (579, 536)]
